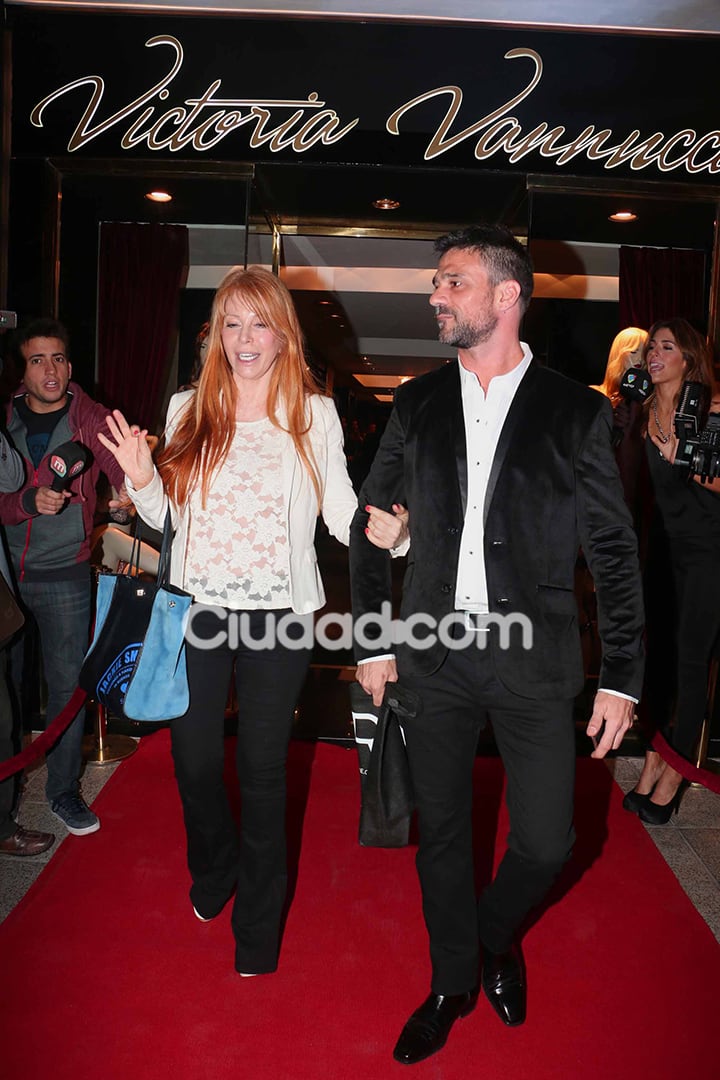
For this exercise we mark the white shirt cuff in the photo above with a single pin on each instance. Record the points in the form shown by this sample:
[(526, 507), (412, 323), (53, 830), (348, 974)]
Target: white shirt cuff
[(616, 693)]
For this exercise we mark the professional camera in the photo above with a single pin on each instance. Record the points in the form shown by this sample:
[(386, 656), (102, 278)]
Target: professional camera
[(698, 448)]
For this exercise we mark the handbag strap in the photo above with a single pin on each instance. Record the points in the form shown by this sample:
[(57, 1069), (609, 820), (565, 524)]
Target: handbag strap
[(163, 574), (133, 567)]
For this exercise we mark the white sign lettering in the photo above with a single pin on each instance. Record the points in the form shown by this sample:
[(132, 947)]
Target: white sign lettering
[(194, 123), (499, 132), (202, 122)]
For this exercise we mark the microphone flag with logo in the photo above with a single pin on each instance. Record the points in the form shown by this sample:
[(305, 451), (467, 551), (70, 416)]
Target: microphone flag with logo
[(67, 461), (636, 385)]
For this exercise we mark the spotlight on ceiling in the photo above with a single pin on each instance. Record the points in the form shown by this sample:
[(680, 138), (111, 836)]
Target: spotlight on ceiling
[(380, 382), (158, 196), (623, 215), (386, 204)]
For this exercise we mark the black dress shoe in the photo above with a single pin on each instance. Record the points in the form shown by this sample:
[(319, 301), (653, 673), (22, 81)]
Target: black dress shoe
[(503, 981), (427, 1029), (26, 842)]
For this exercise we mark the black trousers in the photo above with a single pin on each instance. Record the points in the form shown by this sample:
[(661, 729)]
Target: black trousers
[(536, 741), (682, 589), (253, 861), (697, 585)]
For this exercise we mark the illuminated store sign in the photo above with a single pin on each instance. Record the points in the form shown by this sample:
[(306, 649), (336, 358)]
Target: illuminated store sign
[(190, 124), (201, 122)]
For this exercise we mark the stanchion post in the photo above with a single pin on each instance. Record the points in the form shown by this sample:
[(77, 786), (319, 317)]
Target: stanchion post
[(704, 740), (104, 749)]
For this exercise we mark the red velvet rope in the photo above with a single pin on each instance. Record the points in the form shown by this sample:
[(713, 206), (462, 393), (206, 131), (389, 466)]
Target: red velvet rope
[(46, 738), (51, 734), (687, 770)]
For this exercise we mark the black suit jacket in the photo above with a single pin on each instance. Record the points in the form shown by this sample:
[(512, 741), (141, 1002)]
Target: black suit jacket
[(554, 487)]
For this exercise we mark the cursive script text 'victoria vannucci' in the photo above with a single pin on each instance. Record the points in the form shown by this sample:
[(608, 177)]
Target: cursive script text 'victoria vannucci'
[(202, 122)]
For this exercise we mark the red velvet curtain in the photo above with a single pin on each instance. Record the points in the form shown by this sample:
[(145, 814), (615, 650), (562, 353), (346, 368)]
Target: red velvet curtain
[(659, 283), (143, 267)]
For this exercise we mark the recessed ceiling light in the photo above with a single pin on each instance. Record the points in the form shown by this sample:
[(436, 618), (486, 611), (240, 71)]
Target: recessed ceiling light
[(158, 196), (385, 382), (386, 204), (623, 215)]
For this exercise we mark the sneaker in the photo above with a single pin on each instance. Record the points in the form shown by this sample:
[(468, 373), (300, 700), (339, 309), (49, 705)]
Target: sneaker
[(75, 814)]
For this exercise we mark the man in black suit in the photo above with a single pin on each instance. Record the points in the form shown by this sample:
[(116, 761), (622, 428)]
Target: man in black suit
[(507, 469)]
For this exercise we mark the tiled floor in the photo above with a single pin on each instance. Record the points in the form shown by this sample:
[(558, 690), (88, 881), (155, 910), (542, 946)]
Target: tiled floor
[(690, 844), (18, 874)]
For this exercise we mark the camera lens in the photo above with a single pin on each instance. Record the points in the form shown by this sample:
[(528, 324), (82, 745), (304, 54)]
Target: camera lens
[(696, 464)]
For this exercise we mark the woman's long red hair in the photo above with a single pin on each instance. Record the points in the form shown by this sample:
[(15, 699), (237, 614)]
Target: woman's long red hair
[(201, 442)]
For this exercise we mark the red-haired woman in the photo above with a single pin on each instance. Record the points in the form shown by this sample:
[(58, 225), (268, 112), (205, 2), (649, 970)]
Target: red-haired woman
[(252, 455)]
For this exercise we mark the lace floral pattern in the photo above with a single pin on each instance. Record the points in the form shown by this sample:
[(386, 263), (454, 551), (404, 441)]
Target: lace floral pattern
[(238, 553)]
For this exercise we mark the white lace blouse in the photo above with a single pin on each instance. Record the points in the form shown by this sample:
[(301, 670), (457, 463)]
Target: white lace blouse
[(237, 555)]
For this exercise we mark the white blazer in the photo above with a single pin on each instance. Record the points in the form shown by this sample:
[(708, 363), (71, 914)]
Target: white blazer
[(339, 501)]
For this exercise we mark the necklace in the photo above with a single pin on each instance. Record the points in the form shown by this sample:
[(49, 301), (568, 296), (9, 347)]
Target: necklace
[(661, 434)]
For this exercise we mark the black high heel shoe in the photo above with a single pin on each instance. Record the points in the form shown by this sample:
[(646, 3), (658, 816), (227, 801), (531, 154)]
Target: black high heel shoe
[(633, 801), (655, 814)]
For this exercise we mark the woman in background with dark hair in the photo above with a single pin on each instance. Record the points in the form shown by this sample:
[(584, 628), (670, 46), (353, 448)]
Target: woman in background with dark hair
[(253, 453), (682, 571)]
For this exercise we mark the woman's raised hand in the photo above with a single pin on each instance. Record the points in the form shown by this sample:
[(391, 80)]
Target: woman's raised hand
[(387, 530), (128, 444)]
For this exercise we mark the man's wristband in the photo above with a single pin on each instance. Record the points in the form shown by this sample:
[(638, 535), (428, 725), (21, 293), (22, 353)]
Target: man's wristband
[(28, 501)]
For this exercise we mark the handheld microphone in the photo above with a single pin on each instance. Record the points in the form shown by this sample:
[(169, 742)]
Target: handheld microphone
[(67, 461), (635, 385)]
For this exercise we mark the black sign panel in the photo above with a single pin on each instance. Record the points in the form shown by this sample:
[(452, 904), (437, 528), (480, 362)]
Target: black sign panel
[(246, 89)]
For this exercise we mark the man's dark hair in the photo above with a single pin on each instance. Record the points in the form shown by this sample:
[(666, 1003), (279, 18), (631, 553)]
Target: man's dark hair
[(505, 257), (14, 366), (45, 327)]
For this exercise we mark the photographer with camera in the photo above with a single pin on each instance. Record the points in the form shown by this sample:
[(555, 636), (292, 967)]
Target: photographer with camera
[(682, 573)]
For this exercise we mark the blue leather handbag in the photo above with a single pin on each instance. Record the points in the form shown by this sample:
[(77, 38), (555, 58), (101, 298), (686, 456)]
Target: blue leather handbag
[(136, 664)]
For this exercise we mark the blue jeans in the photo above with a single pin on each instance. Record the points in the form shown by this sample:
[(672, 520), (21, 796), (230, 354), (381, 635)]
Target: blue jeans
[(61, 610), (7, 749)]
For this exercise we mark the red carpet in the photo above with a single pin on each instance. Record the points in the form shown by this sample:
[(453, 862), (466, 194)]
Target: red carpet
[(107, 974)]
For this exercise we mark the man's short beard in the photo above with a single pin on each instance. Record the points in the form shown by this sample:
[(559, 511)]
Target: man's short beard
[(466, 335)]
